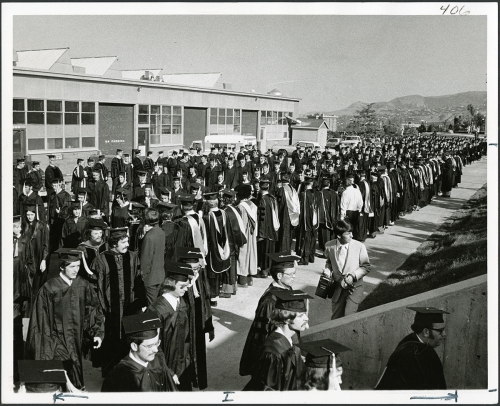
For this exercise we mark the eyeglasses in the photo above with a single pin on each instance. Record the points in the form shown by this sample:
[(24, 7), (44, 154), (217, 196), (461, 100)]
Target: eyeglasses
[(292, 275), (151, 346), (439, 330)]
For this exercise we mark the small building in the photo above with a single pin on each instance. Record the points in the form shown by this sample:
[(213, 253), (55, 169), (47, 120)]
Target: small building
[(78, 107), (310, 129)]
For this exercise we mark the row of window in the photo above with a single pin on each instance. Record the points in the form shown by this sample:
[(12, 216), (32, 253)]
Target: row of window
[(225, 121), (53, 112), (60, 143), (274, 117)]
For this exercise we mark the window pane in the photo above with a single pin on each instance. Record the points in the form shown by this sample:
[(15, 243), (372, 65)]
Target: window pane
[(154, 129), (166, 119), (36, 118), (285, 134), (70, 106), (165, 129), (275, 117), (35, 105), (176, 129), (290, 114), (53, 105), (213, 112), (88, 107), (155, 109), (152, 119), (213, 119), (177, 110), (88, 142), (36, 144), (18, 104), (54, 143), (71, 118), (143, 119), (72, 142), (54, 118), (280, 114), (166, 109), (229, 120), (229, 112), (177, 120), (88, 118), (236, 129), (222, 112), (154, 139), (143, 109), (18, 118), (165, 139), (236, 113), (263, 114)]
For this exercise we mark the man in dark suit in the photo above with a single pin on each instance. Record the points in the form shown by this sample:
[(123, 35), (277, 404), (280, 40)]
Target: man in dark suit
[(152, 255)]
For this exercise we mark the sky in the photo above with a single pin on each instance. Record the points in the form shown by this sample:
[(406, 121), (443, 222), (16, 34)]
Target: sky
[(327, 61)]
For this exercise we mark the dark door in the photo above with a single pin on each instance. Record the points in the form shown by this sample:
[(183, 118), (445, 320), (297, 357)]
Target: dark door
[(249, 123), (19, 145), (116, 127), (195, 125)]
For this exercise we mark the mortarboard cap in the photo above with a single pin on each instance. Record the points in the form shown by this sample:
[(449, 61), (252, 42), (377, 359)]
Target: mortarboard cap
[(75, 205), (51, 156), (97, 224), (264, 181), (148, 185), (118, 230), (126, 155), (35, 163), (164, 190), (283, 260), (69, 254), (292, 300), (124, 192), (211, 195), (141, 173), (160, 152), (188, 253), (102, 156), (428, 315), (178, 271), (28, 182), (119, 150), (229, 193), (19, 160), (166, 206), (195, 185), (137, 151), (320, 351), (142, 325), (381, 168), (33, 206), (176, 178), (243, 191), (285, 177), (136, 205), (16, 219), (41, 371), (189, 199)]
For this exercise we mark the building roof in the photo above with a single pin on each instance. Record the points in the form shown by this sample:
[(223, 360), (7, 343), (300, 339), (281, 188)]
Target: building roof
[(311, 123), (39, 59), (193, 79), (94, 65), (139, 73)]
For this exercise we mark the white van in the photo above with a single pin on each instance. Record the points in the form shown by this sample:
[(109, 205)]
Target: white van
[(221, 141)]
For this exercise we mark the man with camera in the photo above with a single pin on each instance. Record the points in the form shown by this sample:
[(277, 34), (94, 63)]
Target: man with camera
[(347, 263)]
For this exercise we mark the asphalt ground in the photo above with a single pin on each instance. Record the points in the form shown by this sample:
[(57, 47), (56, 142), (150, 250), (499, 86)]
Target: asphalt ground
[(233, 317)]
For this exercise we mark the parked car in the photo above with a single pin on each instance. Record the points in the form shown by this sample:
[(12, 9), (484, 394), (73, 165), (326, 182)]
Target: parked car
[(333, 142), (351, 141), (290, 148)]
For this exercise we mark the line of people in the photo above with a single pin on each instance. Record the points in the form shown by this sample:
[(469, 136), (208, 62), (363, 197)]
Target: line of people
[(234, 217)]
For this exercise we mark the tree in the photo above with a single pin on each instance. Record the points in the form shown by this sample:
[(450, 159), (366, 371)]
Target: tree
[(422, 128), (365, 121), (392, 126), (411, 131)]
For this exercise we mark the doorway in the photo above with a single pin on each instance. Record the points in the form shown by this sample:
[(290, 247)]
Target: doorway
[(19, 144), (143, 140)]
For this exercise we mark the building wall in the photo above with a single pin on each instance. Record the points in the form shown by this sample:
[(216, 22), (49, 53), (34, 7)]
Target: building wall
[(373, 335), (29, 85)]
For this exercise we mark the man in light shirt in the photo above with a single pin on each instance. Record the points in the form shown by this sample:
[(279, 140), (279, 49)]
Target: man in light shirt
[(346, 263), (351, 203)]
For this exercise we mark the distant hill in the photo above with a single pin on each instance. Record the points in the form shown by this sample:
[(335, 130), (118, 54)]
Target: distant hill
[(420, 105)]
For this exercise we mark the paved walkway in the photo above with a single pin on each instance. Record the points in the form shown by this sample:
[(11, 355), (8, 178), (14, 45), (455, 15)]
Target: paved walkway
[(233, 317)]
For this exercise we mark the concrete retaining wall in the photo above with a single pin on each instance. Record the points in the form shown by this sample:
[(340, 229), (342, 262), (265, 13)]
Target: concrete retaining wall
[(374, 333)]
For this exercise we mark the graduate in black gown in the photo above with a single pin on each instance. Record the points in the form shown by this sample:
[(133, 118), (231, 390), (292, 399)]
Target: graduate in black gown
[(283, 273), (198, 297), (415, 365), (177, 336), (279, 366), (57, 323), (144, 368)]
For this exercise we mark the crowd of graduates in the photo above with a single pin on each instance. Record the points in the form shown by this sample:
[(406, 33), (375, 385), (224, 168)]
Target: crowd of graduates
[(175, 234)]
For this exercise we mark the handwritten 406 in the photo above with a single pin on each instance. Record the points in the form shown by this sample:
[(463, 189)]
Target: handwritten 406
[(454, 10)]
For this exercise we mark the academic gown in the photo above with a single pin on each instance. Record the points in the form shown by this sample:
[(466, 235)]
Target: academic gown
[(57, 323), (413, 366), (279, 367), (267, 236), (120, 216), (73, 232), (236, 238), (130, 376), (118, 282), (284, 242), (176, 336), (260, 329), (171, 231)]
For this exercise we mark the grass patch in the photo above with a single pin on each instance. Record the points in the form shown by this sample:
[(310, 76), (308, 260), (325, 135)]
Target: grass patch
[(455, 252)]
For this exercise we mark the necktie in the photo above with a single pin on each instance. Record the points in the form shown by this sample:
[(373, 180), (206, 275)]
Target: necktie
[(16, 248), (342, 255)]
